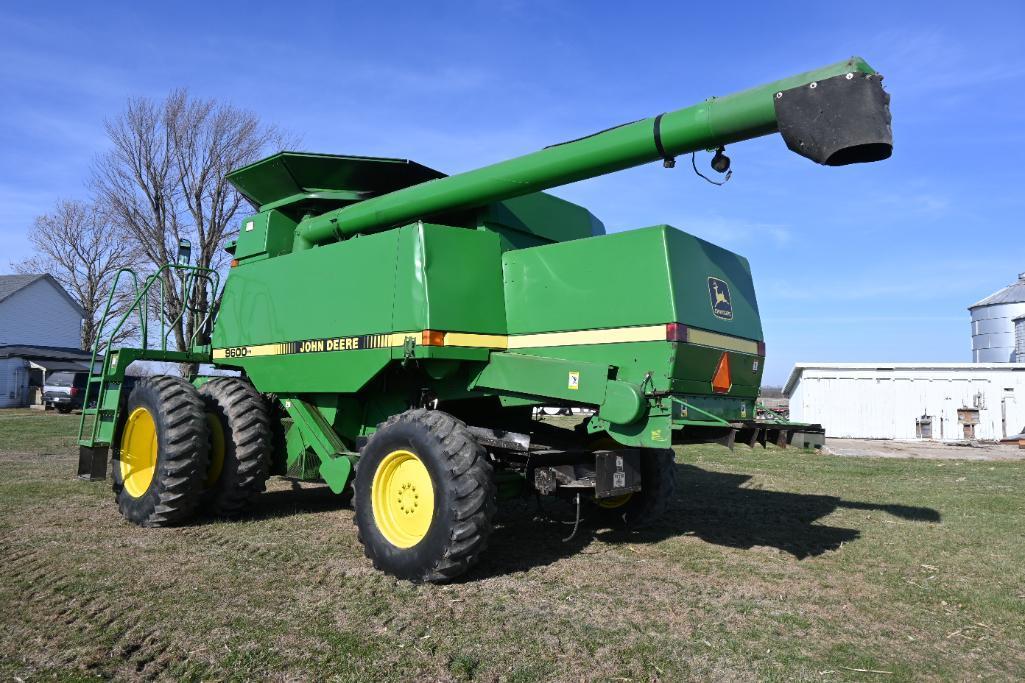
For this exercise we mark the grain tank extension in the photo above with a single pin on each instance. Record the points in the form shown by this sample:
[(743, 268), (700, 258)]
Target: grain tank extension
[(394, 330)]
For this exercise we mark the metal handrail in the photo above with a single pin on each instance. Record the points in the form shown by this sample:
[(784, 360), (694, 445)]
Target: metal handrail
[(190, 284), (141, 304)]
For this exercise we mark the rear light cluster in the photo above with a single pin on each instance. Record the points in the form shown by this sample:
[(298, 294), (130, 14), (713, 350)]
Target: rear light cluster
[(676, 332), (433, 338), (74, 391)]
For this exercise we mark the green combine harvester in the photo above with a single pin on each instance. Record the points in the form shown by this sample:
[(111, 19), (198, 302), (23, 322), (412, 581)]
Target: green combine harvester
[(394, 330)]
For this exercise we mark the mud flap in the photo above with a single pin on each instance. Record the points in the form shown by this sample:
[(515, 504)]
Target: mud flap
[(92, 462), (616, 473)]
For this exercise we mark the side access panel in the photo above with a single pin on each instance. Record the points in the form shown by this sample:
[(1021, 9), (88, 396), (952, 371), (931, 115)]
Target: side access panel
[(449, 279), (649, 276), (311, 321), (329, 319)]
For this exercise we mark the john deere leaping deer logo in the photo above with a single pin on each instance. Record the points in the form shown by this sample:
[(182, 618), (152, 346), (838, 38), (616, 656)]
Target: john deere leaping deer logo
[(719, 292)]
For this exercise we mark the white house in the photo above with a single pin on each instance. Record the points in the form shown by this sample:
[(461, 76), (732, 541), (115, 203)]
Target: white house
[(40, 331), (944, 401)]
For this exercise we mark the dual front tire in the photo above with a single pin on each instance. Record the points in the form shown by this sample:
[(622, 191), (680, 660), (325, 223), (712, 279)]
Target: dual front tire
[(181, 450)]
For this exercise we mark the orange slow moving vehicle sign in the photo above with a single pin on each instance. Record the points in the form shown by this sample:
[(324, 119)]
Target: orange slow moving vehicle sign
[(721, 381)]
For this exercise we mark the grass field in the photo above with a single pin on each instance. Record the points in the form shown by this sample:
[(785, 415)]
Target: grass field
[(773, 565)]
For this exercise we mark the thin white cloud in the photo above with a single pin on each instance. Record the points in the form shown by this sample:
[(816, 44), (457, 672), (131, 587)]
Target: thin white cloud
[(857, 319), (928, 60), (905, 283), (734, 231)]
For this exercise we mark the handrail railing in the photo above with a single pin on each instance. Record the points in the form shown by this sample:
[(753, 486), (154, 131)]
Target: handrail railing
[(192, 277)]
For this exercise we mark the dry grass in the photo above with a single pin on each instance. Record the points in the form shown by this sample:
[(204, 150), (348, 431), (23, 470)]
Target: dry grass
[(773, 565)]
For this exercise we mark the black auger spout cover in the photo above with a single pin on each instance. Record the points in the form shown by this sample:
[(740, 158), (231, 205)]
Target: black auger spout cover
[(837, 121)]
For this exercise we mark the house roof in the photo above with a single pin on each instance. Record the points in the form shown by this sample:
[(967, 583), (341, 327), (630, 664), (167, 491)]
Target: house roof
[(60, 365), (45, 353), (12, 284), (799, 368)]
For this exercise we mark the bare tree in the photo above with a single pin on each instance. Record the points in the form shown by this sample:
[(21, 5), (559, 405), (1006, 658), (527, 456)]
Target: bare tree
[(165, 180), (79, 247)]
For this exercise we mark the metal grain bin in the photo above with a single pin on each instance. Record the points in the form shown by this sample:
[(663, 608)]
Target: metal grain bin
[(993, 327), (1019, 339)]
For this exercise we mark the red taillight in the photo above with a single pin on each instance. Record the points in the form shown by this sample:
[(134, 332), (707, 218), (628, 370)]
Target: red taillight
[(721, 381), (676, 332), (74, 391), (761, 348), (433, 338)]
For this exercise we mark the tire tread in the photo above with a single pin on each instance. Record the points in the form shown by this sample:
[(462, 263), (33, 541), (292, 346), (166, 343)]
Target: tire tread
[(249, 428), (473, 505), (182, 466)]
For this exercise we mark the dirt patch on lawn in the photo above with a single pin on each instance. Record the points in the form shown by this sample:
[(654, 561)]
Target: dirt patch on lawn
[(930, 450)]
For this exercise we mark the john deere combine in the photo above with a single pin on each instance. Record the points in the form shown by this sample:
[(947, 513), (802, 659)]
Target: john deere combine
[(394, 328)]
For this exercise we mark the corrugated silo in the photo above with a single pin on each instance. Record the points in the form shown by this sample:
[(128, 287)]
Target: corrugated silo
[(993, 327), (1019, 339)]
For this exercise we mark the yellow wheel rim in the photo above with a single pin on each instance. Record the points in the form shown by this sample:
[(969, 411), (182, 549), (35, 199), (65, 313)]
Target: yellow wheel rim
[(614, 502), (138, 452), (216, 449), (402, 497)]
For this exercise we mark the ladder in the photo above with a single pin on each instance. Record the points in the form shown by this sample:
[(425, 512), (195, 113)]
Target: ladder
[(104, 391)]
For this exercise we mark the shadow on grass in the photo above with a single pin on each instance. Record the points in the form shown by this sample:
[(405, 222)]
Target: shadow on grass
[(297, 500), (710, 505), (714, 506)]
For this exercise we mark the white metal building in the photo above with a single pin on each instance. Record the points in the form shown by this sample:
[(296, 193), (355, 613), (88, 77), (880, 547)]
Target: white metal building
[(944, 401)]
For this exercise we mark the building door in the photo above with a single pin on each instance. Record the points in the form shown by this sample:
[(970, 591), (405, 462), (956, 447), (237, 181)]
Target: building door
[(968, 417), (1008, 414), (20, 387)]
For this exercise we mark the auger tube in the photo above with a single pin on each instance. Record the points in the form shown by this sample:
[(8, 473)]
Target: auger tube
[(848, 122)]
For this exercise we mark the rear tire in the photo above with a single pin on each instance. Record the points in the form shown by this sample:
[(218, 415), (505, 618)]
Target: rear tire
[(240, 445), (424, 498), (162, 453), (647, 506)]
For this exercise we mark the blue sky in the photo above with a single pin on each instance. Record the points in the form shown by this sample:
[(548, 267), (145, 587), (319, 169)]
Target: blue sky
[(867, 263)]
